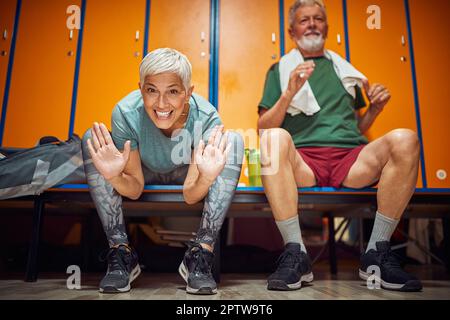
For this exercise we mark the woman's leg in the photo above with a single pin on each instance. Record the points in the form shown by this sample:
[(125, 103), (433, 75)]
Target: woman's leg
[(197, 262), (107, 200), (221, 193)]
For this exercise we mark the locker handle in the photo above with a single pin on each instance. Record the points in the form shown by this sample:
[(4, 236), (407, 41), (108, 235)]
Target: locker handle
[(5, 34), (274, 37), (202, 36), (403, 41), (339, 41), (70, 34), (137, 36)]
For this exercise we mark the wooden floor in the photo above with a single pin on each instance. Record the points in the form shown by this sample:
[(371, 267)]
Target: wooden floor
[(232, 287)]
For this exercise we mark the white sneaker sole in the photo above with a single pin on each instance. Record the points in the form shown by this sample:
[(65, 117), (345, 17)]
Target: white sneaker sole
[(282, 286), (385, 285), (182, 270), (133, 275)]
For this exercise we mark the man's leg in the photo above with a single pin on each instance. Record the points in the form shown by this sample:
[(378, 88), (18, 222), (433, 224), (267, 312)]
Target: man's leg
[(285, 170), (123, 266), (197, 262), (393, 160)]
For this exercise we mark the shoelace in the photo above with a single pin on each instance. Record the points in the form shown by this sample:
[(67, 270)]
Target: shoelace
[(288, 259), (116, 259), (201, 265), (390, 259)]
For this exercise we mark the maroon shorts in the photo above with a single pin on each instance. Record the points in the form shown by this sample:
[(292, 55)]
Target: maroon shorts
[(330, 165)]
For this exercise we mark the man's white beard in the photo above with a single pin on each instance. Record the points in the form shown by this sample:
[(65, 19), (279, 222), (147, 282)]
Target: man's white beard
[(311, 44)]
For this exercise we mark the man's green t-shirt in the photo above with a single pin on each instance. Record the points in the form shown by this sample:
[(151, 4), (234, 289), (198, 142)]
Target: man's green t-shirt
[(159, 153), (335, 125)]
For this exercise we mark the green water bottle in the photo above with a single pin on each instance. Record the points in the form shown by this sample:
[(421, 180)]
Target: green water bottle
[(254, 167)]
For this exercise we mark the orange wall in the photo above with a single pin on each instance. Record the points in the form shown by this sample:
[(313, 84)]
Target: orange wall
[(42, 78), (377, 54), (43, 72), (432, 66), (244, 61), (187, 30), (7, 13), (109, 67)]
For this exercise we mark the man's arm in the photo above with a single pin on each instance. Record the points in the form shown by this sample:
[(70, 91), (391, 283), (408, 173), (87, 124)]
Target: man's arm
[(274, 117), (366, 120), (378, 96)]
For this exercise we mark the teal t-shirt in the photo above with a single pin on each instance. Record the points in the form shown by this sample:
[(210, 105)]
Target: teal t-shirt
[(335, 125), (160, 153)]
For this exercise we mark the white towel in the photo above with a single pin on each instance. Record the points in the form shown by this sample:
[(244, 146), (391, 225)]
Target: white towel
[(305, 101)]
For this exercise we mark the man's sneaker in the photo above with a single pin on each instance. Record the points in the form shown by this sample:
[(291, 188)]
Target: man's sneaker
[(392, 275), (196, 270), (294, 267), (123, 268)]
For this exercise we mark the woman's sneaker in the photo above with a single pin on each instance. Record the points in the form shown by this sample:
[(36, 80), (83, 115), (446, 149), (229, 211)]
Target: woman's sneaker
[(196, 270), (294, 267), (393, 277), (123, 268)]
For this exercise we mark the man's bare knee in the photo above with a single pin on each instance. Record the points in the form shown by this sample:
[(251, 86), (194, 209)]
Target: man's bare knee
[(275, 143), (404, 143)]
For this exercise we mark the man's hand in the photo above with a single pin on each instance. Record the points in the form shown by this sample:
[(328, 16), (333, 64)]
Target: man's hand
[(377, 94), (211, 159), (299, 76), (109, 161)]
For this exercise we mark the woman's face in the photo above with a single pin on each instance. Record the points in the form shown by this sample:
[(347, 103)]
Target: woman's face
[(164, 99)]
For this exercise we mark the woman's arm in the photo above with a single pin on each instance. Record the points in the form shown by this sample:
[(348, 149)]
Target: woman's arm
[(122, 169), (130, 183), (206, 164), (196, 186)]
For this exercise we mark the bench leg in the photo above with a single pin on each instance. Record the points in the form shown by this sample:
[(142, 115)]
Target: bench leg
[(33, 252), (332, 245)]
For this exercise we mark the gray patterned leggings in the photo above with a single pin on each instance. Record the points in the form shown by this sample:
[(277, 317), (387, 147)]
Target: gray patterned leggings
[(109, 202)]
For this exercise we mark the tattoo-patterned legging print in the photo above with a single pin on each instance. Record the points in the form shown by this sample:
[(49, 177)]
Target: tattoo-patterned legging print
[(109, 202)]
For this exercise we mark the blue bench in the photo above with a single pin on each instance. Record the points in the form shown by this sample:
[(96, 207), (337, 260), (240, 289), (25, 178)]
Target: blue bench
[(247, 202)]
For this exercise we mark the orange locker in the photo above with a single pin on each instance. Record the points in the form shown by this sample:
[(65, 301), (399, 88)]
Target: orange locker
[(113, 42), (184, 26), (430, 26), (335, 17), (249, 45), (383, 56), (7, 14), (42, 75)]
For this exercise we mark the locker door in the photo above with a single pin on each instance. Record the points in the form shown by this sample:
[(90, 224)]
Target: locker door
[(42, 75), (249, 45), (430, 25), (383, 56), (246, 52), (184, 25), (336, 34), (112, 50), (7, 14)]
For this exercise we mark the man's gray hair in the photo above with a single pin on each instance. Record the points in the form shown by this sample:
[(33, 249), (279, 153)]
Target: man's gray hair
[(303, 3), (166, 60)]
